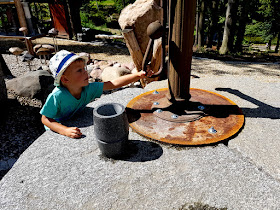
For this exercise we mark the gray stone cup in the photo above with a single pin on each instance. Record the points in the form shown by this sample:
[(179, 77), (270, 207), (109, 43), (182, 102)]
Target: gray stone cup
[(111, 128)]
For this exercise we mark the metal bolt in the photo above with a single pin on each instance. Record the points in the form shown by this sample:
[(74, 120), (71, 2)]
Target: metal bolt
[(155, 92), (201, 107), (159, 110), (174, 116), (212, 130), (156, 103)]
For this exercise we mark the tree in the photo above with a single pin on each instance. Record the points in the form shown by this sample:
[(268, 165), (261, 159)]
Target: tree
[(214, 17), (196, 23), (200, 39), (269, 15), (228, 37), (243, 19), (73, 9)]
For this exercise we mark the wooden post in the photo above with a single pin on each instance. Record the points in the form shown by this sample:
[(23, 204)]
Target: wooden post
[(134, 49), (21, 15), (181, 28)]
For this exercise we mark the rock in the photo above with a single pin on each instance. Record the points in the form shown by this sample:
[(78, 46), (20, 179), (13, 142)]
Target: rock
[(84, 54), (117, 65), (46, 68), (133, 71), (90, 67), (27, 57), (111, 73), (131, 65), (138, 16), (96, 74), (33, 84)]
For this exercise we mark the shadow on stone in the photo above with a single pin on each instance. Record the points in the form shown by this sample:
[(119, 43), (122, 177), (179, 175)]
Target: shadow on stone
[(262, 111), (82, 119), (138, 151)]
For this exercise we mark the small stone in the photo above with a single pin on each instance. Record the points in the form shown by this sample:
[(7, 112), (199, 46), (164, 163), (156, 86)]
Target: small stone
[(117, 65)]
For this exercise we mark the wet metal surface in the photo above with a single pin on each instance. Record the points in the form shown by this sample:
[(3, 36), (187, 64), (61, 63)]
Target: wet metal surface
[(221, 113)]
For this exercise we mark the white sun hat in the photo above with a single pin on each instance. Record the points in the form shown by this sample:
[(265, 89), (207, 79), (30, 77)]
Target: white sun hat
[(60, 61)]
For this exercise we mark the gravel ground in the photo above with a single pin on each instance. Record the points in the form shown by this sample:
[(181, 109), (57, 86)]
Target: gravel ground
[(22, 125)]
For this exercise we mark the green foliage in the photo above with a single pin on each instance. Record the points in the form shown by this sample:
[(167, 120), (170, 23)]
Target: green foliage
[(253, 39)]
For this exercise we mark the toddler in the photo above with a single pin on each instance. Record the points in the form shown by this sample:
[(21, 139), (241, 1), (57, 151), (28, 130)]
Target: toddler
[(73, 91)]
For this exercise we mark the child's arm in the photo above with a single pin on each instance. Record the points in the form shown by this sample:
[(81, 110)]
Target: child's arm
[(124, 80), (72, 132)]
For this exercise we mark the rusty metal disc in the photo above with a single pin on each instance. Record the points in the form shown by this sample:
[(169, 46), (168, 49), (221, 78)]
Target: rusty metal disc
[(222, 119)]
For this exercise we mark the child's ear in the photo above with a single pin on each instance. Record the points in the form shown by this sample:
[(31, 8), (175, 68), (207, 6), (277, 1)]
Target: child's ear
[(63, 79)]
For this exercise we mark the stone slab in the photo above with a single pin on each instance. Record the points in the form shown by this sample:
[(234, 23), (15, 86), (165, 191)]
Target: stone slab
[(57, 172), (258, 97)]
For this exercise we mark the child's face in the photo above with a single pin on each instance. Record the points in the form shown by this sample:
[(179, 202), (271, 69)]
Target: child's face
[(76, 75)]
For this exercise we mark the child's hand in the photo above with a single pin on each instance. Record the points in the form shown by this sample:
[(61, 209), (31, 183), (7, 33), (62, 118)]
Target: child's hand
[(73, 132), (141, 74), (149, 71)]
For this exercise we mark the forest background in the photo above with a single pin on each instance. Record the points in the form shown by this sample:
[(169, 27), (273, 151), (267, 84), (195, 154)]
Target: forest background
[(225, 26)]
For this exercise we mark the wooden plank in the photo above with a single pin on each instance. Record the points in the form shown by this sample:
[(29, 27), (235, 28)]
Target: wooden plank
[(105, 36), (21, 15), (134, 49)]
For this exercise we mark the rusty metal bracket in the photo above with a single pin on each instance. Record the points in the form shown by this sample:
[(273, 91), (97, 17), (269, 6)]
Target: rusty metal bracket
[(177, 112)]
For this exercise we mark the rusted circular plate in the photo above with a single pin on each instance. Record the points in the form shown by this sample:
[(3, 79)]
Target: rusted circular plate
[(220, 112)]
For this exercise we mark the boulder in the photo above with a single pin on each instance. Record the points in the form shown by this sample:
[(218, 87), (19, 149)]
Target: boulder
[(111, 73), (96, 74), (138, 16), (35, 84)]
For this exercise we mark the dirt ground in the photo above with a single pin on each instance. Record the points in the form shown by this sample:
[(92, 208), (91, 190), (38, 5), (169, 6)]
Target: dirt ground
[(107, 51)]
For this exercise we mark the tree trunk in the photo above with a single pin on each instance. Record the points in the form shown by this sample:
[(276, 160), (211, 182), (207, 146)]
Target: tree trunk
[(73, 8), (228, 37), (200, 41), (242, 25), (277, 44), (196, 23), (213, 24)]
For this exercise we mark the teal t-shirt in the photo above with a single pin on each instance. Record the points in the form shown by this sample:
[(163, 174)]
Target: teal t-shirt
[(61, 105)]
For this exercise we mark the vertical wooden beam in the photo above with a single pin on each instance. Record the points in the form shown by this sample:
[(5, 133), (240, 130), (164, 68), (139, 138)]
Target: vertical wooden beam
[(181, 28), (21, 15), (134, 49)]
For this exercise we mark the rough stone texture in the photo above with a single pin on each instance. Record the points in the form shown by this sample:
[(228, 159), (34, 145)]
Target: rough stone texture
[(111, 73), (57, 172), (138, 16), (32, 84)]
